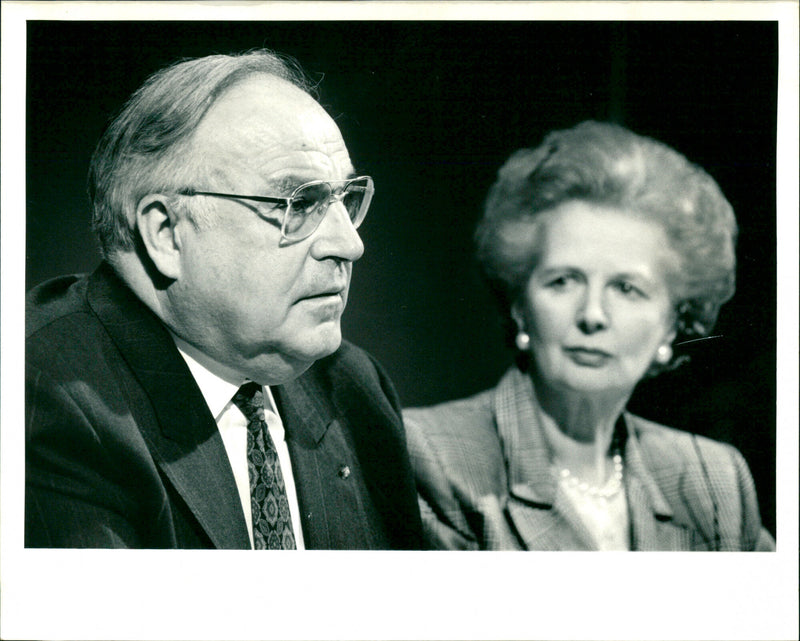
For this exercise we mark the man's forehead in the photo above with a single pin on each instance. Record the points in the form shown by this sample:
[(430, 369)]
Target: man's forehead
[(271, 124), (259, 96)]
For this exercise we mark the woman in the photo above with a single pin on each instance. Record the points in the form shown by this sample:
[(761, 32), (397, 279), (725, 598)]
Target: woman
[(604, 248)]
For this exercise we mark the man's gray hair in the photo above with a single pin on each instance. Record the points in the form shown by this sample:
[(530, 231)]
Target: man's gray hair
[(140, 152)]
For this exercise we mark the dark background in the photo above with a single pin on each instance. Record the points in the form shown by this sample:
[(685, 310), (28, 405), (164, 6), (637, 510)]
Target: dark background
[(431, 110)]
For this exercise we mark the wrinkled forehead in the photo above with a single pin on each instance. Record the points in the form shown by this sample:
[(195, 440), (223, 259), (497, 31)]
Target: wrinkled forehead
[(267, 123)]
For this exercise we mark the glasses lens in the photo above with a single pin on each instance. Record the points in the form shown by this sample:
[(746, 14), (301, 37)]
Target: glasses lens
[(356, 199), (307, 209), (309, 204)]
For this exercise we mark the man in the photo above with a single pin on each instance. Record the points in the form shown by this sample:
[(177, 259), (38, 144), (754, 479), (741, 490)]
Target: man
[(194, 391)]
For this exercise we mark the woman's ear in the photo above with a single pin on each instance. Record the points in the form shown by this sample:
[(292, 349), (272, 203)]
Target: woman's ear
[(517, 315), (156, 222)]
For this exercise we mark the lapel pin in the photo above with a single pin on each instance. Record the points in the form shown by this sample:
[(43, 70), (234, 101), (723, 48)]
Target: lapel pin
[(344, 471)]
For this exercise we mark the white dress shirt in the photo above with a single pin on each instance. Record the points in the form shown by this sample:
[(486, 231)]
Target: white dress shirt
[(218, 386)]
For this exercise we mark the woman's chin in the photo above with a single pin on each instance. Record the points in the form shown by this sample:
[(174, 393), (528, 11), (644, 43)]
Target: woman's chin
[(595, 383)]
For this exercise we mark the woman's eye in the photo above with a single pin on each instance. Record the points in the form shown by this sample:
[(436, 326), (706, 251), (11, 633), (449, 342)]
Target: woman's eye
[(559, 282), (629, 289)]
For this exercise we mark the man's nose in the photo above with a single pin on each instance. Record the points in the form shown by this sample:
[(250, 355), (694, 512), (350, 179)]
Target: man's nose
[(592, 315), (336, 236)]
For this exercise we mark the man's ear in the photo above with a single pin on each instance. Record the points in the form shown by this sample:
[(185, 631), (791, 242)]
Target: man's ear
[(156, 223)]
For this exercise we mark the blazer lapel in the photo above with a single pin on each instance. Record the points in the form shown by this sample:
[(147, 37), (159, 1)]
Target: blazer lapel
[(557, 527), (652, 523), (542, 518), (185, 441)]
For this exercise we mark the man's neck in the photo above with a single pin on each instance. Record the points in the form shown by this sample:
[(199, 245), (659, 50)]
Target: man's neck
[(217, 369)]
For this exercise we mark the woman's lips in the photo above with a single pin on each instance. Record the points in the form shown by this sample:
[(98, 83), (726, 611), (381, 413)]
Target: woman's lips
[(588, 357)]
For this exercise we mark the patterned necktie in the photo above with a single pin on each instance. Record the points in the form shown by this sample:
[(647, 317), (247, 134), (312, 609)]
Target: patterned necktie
[(272, 523)]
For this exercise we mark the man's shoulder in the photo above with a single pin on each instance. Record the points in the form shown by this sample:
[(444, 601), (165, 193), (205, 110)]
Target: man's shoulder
[(54, 301)]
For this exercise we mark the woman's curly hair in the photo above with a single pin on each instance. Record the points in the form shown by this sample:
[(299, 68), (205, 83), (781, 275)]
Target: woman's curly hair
[(608, 165)]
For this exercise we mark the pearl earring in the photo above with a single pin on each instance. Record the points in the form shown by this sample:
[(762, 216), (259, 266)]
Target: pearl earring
[(523, 341), (663, 354)]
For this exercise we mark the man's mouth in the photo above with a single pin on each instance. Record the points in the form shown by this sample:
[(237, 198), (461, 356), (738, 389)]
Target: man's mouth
[(331, 292)]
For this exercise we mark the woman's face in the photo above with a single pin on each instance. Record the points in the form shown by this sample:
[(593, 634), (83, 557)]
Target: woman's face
[(597, 305)]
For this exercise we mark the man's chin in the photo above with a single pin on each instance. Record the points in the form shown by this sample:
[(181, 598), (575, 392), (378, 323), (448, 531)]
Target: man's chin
[(324, 343)]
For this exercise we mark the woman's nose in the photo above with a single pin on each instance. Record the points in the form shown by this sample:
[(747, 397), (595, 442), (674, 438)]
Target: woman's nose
[(336, 236), (592, 315)]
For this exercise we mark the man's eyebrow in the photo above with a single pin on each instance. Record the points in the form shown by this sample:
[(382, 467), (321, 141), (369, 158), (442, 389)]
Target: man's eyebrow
[(287, 184)]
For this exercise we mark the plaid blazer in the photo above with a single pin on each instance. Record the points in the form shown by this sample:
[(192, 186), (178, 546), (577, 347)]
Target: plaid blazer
[(484, 482)]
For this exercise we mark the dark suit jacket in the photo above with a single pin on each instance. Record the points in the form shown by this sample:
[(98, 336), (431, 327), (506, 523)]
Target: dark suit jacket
[(484, 481), (122, 450)]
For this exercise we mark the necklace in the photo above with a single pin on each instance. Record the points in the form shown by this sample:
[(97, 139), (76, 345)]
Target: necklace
[(612, 487)]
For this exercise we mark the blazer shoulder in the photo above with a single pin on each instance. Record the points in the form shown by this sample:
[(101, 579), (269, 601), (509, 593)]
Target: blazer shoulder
[(450, 419), (53, 300), (459, 435), (666, 441), (63, 335), (700, 476)]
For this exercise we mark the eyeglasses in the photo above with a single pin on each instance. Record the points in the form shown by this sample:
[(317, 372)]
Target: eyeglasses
[(308, 204)]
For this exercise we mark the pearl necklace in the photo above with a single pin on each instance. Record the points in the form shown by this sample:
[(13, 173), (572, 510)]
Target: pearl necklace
[(612, 487)]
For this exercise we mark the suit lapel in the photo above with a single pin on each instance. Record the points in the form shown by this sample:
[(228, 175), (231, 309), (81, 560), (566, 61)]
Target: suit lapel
[(331, 487), (185, 441), (344, 434)]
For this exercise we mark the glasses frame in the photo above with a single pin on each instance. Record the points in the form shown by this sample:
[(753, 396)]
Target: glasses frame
[(336, 195)]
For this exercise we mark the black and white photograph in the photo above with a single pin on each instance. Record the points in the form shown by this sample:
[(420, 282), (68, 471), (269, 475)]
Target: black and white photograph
[(405, 293)]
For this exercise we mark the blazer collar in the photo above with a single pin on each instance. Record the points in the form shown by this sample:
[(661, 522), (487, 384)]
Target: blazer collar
[(186, 442), (530, 480), (522, 440)]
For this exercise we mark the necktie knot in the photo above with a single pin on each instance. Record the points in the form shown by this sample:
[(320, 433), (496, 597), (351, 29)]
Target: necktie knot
[(250, 400)]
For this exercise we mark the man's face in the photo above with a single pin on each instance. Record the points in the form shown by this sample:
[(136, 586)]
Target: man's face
[(264, 308)]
